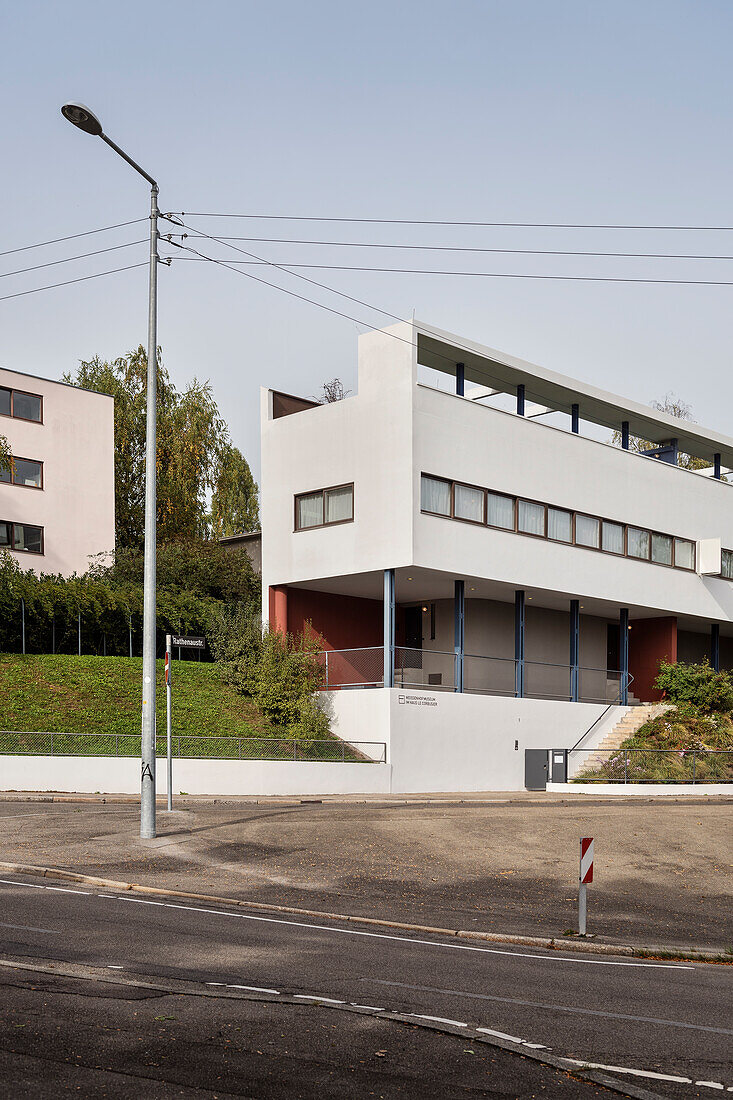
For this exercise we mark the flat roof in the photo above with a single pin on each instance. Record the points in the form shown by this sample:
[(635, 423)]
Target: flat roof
[(55, 382), (443, 351)]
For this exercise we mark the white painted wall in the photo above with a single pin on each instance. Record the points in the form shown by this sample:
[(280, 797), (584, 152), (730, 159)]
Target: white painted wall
[(111, 775), (75, 442), (443, 741)]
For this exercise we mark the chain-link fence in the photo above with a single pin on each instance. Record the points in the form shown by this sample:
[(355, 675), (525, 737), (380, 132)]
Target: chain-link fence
[(193, 748), (650, 765)]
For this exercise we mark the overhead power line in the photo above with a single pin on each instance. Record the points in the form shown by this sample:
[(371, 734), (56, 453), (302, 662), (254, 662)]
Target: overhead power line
[(70, 259), (72, 237), (67, 282), (462, 248), (476, 224), (481, 274)]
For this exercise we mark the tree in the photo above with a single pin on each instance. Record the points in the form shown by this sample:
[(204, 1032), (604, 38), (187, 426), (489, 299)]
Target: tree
[(6, 458), (673, 406), (195, 456)]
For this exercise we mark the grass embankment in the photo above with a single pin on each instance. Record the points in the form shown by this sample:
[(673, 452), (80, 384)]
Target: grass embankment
[(95, 697), (672, 748)]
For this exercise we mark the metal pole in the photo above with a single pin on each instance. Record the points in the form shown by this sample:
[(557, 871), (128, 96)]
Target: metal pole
[(53, 632), (582, 908), (78, 628), (22, 616), (147, 769), (129, 624), (169, 717)]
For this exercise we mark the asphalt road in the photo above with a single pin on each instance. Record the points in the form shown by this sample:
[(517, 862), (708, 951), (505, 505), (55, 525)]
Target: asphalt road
[(663, 1020)]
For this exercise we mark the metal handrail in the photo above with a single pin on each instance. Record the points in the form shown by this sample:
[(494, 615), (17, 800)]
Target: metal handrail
[(696, 754)]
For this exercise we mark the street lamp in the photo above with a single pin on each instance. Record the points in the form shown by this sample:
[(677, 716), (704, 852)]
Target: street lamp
[(84, 119)]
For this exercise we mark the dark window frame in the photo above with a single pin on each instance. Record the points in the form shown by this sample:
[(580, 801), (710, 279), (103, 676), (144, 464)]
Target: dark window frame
[(601, 520), (330, 523), (12, 415), (20, 484), (23, 550)]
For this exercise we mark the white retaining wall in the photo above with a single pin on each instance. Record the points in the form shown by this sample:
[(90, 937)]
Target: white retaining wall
[(121, 775)]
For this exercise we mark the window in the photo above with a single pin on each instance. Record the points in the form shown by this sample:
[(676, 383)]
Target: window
[(25, 406), (726, 564), (531, 518), (435, 495), (339, 504), (326, 506), (684, 554), (638, 543), (453, 499), (662, 549), (468, 503), (587, 531), (21, 536), (23, 472), (613, 538), (500, 511), (559, 525)]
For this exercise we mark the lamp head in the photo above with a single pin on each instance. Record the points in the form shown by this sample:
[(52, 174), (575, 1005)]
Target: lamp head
[(81, 117)]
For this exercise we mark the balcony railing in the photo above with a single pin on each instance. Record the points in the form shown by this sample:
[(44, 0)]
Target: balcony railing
[(437, 670)]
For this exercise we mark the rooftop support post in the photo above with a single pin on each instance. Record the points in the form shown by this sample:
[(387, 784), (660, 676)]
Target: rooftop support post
[(575, 419), (716, 467), (623, 656), (574, 651), (389, 627), (715, 646), (460, 379), (519, 615), (625, 434), (459, 608), (520, 399)]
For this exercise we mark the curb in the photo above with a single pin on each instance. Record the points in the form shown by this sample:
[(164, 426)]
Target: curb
[(549, 944)]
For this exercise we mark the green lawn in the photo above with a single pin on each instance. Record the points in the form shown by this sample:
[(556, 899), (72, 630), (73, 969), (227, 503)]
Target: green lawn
[(94, 695), (97, 697)]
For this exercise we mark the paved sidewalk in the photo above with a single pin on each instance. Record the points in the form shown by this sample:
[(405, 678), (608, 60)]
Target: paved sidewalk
[(510, 865)]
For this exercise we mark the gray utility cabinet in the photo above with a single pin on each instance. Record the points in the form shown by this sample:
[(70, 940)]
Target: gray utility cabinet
[(535, 769)]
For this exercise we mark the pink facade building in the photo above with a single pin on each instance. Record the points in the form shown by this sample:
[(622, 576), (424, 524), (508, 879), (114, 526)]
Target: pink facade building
[(57, 504)]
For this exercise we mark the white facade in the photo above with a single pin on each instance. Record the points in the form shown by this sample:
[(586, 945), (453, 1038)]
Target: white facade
[(70, 435), (399, 428)]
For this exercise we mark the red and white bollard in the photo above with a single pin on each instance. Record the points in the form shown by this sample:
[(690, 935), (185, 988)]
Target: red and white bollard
[(585, 876)]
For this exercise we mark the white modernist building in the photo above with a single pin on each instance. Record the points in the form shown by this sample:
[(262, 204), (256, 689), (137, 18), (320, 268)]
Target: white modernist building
[(57, 503), (497, 582)]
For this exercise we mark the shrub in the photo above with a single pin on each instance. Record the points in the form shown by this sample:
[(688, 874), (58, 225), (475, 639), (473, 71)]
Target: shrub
[(699, 685)]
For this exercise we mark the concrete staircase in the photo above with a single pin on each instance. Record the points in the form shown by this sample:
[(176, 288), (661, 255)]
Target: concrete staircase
[(633, 720)]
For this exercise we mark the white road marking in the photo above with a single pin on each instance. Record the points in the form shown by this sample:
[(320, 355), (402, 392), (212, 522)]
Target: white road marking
[(369, 1008), (499, 1035), (550, 956), (316, 997), (254, 989), (711, 1085), (28, 928), (63, 890), (112, 966), (437, 1019), (633, 1072)]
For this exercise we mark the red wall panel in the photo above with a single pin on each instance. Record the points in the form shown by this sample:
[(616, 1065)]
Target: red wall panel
[(650, 641)]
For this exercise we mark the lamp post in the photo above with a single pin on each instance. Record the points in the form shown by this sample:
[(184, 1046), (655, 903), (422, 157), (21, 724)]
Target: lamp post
[(84, 119)]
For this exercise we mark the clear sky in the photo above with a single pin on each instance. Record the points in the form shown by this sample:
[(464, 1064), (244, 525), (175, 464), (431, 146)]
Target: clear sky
[(529, 111)]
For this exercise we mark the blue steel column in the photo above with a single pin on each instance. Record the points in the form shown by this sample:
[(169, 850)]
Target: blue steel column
[(575, 419), (459, 607), (389, 627), (623, 654), (519, 644), (520, 399), (625, 435), (716, 466), (460, 379), (574, 650), (715, 646)]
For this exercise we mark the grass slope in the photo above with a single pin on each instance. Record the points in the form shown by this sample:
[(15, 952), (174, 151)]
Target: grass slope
[(96, 695)]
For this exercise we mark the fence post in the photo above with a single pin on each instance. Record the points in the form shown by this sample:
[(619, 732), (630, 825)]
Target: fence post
[(129, 623), (51, 744), (22, 617), (693, 767), (343, 751), (78, 621), (326, 653), (626, 765), (53, 632), (294, 744)]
